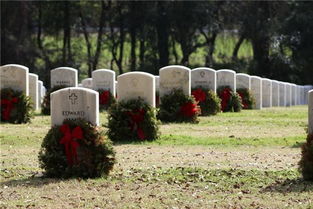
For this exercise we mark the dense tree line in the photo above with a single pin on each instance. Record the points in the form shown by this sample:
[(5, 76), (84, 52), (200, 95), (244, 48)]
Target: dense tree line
[(147, 35)]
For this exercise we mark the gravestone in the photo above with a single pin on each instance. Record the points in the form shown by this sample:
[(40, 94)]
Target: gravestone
[(298, 95), (33, 89), (104, 79), (293, 94), (275, 93), (15, 77), (40, 92), (73, 103), (174, 77), (226, 77), (288, 94), (136, 84), (64, 76), (203, 77), (87, 83), (243, 81), (116, 85), (266, 92), (256, 90), (310, 102), (282, 94), (157, 83)]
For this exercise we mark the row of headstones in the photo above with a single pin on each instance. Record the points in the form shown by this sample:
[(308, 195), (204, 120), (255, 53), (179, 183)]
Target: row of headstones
[(267, 93), (18, 78)]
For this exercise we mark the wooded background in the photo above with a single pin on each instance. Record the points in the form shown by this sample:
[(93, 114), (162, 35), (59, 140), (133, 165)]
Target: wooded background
[(272, 39)]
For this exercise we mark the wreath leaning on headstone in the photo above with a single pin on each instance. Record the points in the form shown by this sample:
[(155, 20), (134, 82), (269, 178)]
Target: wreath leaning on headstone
[(15, 106), (106, 99), (76, 148), (45, 106), (247, 99), (230, 101), (132, 120), (178, 107), (306, 162), (208, 101)]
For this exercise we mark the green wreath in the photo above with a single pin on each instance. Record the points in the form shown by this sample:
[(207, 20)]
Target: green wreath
[(15, 106), (132, 120), (208, 101), (106, 99), (45, 106), (248, 100), (178, 107), (230, 101), (76, 149), (306, 162)]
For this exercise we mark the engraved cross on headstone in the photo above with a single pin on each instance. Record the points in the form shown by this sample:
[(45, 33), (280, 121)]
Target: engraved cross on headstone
[(73, 98)]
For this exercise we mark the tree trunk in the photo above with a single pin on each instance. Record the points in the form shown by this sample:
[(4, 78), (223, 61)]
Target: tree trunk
[(66, 34), (88, 44), (261, 48), (163, 35), (133, 48), (237, 47)]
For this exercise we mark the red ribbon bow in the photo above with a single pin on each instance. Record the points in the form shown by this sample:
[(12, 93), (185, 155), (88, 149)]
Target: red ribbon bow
[(225, 96), (69, 140), (104, 97), (188, 109), (137, 117), (199, 95), (9, 105)]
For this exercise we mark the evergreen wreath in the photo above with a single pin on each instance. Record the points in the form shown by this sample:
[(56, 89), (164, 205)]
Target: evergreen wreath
[(178, 107), (45, 106), (106, 99), (230, 101), (208, 101), (132, 120), (306, 162), (15, 106), (248, 100), (76, 148)]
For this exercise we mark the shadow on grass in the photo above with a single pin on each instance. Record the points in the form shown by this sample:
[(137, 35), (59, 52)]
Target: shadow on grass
[(33, 181), (290, 185), (297, 145)]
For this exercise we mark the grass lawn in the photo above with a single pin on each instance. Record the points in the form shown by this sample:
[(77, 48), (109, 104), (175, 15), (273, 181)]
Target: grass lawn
[(232, 160)]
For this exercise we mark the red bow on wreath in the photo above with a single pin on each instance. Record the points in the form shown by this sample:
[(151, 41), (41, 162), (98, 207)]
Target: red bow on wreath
[(199, 95), (188, 109), (245, 105), (225, 96), (137, 117), (69, 140), (9, 105), (104, 97)]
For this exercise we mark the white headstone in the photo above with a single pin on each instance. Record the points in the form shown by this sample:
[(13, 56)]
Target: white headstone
[(104, 79), (275, 93), (293, 94), (73, 103), (243, 81), (310, 101), (226, 78), (15, 77), (33, 89), (40, 92), (157, 83), (174, 77), (256, 89), (64, 76), (266, 92), (282, 94), (203, 77), (87, 83), (298, 95), (136, 84), (116, 85), (288, 94)]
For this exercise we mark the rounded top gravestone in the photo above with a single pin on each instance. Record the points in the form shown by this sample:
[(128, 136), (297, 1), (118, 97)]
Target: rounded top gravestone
[(275, 93), (73, 103), (266, 92), (157, 83), (15, 77), (87, 83), (256, 89), (203, 77), (64, 76), (174, 77), (226, 77), (33, 89), (133, 85), (243, 81), (104, 79)]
